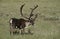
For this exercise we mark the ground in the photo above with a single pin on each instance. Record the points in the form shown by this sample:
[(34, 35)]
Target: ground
[(47, 24)]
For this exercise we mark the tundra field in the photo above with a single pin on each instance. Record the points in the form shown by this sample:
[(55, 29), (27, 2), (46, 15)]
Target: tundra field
[(47, 24)]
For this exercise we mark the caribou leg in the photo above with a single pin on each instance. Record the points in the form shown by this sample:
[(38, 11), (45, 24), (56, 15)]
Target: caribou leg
[(23, 31), (11, 30)]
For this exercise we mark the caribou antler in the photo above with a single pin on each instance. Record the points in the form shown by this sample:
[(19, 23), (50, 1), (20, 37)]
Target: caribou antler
[(35, 17), (31, 14), (21, 11)]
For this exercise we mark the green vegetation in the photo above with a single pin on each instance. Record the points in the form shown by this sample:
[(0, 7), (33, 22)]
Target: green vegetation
[(47, 25)]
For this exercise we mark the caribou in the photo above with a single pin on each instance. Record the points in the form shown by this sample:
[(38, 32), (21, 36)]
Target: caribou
[(22, 23)]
